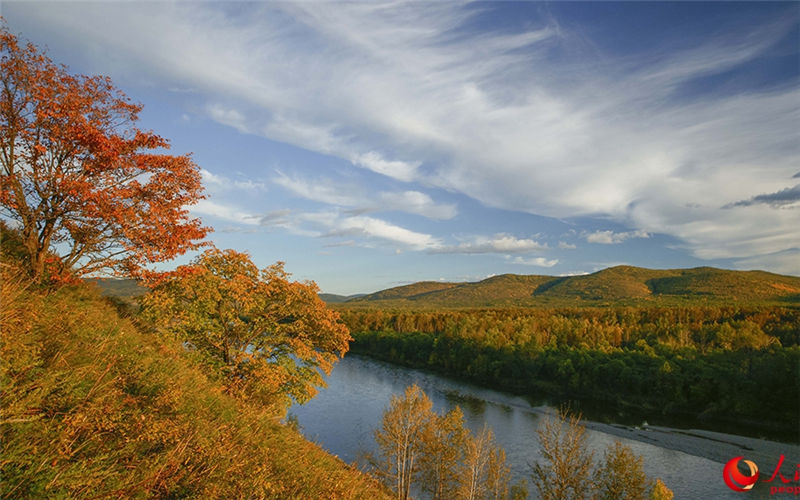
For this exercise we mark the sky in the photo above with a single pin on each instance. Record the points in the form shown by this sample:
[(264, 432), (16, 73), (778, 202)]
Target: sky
[(375, 144)]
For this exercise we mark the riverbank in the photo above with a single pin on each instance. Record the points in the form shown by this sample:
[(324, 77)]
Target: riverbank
[(719, 390), (716, 446)]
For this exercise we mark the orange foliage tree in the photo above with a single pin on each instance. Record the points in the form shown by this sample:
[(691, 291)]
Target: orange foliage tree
[(81, 181), (268, 336)]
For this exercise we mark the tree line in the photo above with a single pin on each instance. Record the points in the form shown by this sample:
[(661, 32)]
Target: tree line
[(704, 328), (747, 378)]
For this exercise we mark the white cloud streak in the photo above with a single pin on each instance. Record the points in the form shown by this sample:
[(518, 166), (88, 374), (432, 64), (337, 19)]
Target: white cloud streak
[(612, 238), (352, 196), (217, 182), (377, 228), (500, 243), (206, 208), (535, 261)]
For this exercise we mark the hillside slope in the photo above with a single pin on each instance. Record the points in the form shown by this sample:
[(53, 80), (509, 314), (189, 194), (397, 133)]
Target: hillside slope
[(92, 407), (621, 285)]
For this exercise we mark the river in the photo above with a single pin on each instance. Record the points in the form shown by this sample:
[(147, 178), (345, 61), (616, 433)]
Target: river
[(343, 417)]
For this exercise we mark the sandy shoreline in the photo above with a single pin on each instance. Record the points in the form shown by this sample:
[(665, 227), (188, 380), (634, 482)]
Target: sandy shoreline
[(716, 446)]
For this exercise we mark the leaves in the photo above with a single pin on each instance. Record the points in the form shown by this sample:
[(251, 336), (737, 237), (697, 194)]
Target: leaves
[(268, 336), (437, 452), (567, 469), (79, 176)]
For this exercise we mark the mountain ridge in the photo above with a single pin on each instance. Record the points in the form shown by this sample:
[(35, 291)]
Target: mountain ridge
[(614, 285)]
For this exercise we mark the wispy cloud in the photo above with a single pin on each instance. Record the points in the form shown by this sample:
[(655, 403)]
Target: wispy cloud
[(377, 228), (779, 262), (218, 182), (535, 261), (500, 243), (224, 211), (401, 170), (413, 92), (319, 191), (354, 230), (280, 217), (358, 199), (415, 202), (778, 199), (612, 238)]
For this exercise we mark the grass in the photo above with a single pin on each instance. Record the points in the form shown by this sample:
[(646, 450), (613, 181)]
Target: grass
[(93, 407)]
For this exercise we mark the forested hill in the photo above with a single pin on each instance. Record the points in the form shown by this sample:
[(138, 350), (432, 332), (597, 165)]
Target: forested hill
[(621, 285)]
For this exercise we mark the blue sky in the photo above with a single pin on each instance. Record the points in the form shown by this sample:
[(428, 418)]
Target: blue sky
[(374, 144)]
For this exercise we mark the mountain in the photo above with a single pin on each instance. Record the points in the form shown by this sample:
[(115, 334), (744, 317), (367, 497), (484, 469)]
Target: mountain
[(618, 285), (409, 291), (126, 289), (332, 298)]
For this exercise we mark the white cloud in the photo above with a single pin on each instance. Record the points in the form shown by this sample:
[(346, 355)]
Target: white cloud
[(321, 191), (378, 228), (399, 170), (224, 212), (612, 238), (500, 243), (418, 203), (535, 261), (786, 262), (280, 217), (493, 115), (229, 117), (216, 182), (566, 246), (359, 230), (351, 196)]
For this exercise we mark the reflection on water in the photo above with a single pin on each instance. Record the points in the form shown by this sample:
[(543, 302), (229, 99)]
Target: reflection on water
[(342, 419)]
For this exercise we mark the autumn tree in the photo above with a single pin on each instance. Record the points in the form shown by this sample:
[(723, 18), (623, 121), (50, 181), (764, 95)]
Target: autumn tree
[(659, 491), (565, 473), (485, 472), (268, 336), (401, 436), (620, 476), (89, 190), (443, 452), (437, 453), (498, 474)]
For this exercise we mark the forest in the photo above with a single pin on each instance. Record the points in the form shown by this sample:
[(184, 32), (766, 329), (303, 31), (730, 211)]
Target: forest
[(721, 365)]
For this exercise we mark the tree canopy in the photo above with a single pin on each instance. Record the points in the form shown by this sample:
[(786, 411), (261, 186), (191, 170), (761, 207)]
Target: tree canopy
[(437, 453), (267, 335), (569, 472), (89, 190)]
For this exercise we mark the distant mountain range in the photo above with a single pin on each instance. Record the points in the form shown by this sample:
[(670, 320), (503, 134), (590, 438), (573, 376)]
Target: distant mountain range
[(621, 285), (122, 288), (616, 285), (332, 298)]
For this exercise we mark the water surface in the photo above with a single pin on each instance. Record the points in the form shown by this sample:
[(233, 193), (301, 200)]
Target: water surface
[(343, 418)]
